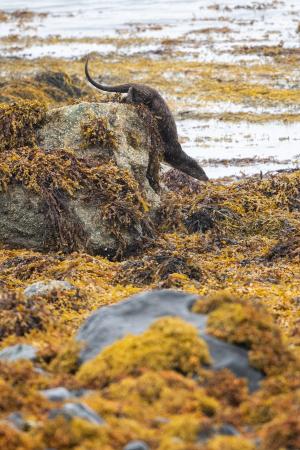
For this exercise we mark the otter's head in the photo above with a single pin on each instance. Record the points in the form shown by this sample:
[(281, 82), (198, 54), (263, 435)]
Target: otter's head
[(139, 95), (198, 173)]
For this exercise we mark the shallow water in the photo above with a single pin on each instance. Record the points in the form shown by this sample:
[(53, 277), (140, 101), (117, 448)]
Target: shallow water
[(197, 26), (264, 23), (239, 139), (278, 144)]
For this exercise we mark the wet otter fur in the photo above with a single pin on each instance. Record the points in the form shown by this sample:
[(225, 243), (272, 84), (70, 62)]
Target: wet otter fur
[(142, 94)]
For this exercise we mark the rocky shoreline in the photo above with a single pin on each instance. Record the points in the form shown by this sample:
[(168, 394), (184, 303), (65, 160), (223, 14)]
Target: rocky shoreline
[(139, 310)]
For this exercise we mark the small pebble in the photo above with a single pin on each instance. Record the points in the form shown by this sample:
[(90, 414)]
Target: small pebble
[(137, 445), (71, 410), (17, 352)]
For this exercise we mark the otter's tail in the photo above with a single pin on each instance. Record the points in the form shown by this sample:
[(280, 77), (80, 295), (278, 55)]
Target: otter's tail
[(122, 88)]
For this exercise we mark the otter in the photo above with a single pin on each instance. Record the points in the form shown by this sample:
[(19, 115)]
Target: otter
[(142, 94)]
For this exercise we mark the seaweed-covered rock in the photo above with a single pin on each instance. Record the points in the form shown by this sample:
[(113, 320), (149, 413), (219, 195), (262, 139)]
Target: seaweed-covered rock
[(18, 123), (282, 432), (19, 315), (41, 288), (71, 410), (206, 217), (50, 87), (58, 394), (248, 324), (222, 430), (18, 421), (286, 247), (60, 85), (98, 197), (11, 438), (169, 344), (157, 268), (106, 131), (133, 316)]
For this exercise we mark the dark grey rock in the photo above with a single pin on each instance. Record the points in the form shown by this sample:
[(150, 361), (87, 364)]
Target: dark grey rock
[(223, 430), (135, 314), (71, 410), (17, 352), (206, 434), (81, 392), (227, 430), (137, 445), (45, 287)]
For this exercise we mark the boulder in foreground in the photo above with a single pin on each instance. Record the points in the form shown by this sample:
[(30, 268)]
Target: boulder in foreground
[(133, 317)]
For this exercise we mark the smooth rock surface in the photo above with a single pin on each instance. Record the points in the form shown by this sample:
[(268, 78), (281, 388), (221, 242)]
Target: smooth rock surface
[(71, 410), (135, 314), (45, 287), (17, 352), (58, 394)]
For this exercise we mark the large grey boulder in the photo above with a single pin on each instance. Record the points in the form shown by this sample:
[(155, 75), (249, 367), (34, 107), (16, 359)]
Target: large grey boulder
[(132, 138), (135, 314), (28, 221)]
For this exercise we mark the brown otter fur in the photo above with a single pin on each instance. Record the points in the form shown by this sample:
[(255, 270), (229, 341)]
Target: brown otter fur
[(142, 94)]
